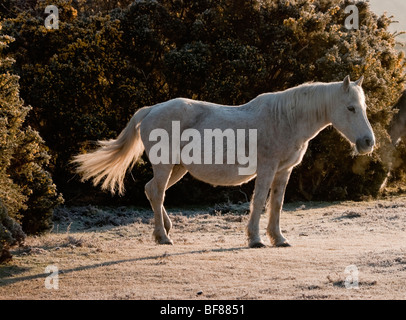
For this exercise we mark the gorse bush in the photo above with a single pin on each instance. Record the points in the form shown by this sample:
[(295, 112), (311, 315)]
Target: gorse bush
[(10, 234), (27, 192), (87, 78)]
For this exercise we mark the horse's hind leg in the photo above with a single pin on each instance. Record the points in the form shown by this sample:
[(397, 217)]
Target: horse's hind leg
[(178, 172), (155, 191)]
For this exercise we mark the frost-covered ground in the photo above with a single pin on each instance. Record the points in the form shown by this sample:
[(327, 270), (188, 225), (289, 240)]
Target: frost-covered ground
[(108, 253)]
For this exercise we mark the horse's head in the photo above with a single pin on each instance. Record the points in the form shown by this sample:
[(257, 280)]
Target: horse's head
[(349, 116)]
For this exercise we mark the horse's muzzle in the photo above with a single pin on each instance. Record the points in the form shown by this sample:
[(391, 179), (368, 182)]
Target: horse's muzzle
[(365, 144)]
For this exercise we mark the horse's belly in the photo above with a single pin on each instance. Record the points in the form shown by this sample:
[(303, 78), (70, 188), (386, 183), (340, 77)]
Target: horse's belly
[(219, 175)]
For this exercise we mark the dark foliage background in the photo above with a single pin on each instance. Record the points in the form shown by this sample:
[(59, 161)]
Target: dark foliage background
[(27, 192), (109, 58)]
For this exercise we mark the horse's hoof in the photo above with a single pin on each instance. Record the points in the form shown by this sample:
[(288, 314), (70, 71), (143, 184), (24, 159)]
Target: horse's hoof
[(278, 240), (166, 241), (283, 244), (162, 239), (257, 245)]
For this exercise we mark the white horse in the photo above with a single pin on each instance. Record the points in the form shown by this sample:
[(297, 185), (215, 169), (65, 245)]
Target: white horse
[(285, 122)]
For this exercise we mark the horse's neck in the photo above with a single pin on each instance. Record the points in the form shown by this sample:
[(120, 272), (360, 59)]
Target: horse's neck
[(311, 107), (318, 117), (309, 131)]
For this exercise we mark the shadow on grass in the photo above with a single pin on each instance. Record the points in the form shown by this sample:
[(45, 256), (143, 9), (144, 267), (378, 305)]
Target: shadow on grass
[(9, 271)]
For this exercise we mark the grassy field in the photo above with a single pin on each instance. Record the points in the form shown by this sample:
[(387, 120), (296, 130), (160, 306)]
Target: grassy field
[(108, 253)]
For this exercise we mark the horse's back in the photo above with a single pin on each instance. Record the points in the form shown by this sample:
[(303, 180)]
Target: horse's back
[(196, 114), (177, 115)]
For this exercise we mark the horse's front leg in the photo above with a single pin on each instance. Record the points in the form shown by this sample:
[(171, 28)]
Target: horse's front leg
[(262, 185), (276, 202)]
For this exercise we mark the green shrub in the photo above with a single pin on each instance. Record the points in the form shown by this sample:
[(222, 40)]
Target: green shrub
[(10, 234), (26, 187)]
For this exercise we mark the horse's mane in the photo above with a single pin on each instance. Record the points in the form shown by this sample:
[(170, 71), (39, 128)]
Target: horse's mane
[(307, 101)]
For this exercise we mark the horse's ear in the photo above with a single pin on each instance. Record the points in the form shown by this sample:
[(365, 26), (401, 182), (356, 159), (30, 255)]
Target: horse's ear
[(359, 81), (346, 83)]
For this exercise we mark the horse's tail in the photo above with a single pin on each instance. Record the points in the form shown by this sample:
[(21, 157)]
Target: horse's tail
[(111, 160)]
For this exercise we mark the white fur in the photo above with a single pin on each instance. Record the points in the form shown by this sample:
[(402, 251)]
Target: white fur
[(285, 122)]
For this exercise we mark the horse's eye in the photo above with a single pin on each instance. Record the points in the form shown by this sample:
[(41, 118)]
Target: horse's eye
[(352, 109)]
